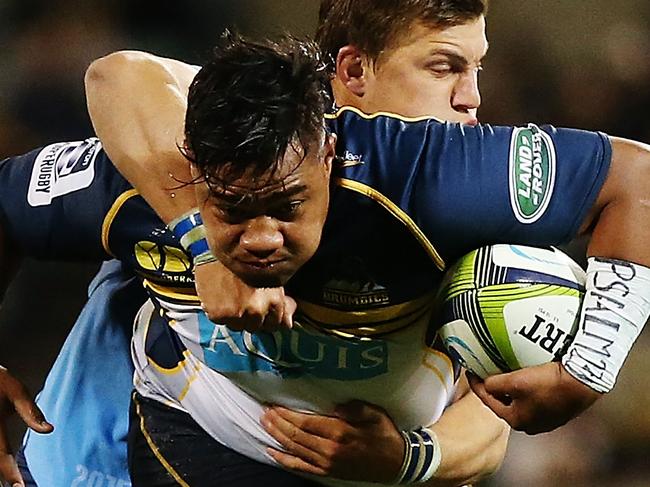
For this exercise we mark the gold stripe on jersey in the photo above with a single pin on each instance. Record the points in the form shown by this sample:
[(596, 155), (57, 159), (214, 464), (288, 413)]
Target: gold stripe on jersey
[(398, 213), (446, 378), (370, 116), (110, 216), (442, 355), (365, 323), (190, 379), (175, 369), (178, 295)]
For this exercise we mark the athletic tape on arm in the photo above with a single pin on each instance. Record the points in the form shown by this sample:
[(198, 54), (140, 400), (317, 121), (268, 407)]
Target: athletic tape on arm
[(616, 306)]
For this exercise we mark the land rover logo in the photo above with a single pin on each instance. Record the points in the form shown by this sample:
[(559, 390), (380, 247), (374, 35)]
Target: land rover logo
[(532, 172)]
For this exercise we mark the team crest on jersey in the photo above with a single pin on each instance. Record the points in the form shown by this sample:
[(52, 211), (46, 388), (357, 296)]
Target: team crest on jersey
[(532, 172), (163, 262), (62, 168), (353, 288)]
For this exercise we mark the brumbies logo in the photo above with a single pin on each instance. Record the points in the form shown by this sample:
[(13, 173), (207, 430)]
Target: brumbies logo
[(532, 172), (353, 288), (61, 169)]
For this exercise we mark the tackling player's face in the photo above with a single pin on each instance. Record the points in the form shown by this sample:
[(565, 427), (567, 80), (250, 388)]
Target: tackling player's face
[(429, 72), (264, 229)]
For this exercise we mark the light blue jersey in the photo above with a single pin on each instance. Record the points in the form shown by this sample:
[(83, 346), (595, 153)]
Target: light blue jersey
[(86, 394)]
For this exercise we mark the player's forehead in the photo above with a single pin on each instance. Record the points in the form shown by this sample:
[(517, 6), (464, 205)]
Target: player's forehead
[(294, 175), (467, 40)]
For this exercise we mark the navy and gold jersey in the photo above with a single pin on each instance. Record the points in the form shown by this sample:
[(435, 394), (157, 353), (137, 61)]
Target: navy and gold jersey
[(409, 198)]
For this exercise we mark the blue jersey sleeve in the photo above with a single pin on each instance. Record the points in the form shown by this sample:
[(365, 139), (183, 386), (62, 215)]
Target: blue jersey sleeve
[(463, 187), (54, 200)]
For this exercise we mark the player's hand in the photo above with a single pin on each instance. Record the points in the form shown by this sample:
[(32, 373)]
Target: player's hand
[(360, 443), (14, 397), (229, 301), (535, 399)]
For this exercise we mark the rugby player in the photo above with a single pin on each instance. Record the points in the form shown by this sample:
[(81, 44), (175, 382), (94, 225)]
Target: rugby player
[(108, 218), (599, 208), (60, 459)]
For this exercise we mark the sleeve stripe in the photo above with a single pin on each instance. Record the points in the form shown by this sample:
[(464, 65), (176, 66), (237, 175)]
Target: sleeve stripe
[(110, 216)]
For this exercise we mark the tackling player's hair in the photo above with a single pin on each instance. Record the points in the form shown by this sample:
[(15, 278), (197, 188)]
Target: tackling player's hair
[(250, 103), (375, 26)]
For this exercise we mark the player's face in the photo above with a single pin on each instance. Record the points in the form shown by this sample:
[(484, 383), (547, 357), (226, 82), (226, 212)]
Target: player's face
[(430, 72), (264, 229)]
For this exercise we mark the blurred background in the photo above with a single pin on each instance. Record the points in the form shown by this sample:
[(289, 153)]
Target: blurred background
[(566, 62)]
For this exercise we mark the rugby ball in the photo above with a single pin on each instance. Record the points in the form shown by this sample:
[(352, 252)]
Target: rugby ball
[(505, 307)]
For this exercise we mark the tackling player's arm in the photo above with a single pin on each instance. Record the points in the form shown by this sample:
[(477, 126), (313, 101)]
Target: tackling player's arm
[(470, 443), (137, 104)]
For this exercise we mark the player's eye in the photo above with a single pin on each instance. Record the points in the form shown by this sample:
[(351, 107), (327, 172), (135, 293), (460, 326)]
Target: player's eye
[(441, 68), (288, 211)]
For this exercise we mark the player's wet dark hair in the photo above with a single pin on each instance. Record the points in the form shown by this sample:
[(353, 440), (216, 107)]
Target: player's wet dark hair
[(374, 26), (251, 102)]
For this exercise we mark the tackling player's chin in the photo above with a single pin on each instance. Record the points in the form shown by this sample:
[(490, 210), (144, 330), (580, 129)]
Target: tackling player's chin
[(262, 273)]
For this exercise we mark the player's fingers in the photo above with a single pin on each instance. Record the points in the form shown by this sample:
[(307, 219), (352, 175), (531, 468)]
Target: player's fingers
[(32, 415), (504, 386), (501, 409), (17, 397), (357, 412), (248, 321), (273, 313), (294, 463), (313, 424), (296, 442), (290, 307), (8, 468)]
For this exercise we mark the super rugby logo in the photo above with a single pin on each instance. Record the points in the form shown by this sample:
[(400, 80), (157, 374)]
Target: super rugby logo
[(62, 168), (532, 172)]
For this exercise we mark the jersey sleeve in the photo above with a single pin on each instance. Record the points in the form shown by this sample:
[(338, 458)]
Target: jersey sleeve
[(465, 187), (53, 200)]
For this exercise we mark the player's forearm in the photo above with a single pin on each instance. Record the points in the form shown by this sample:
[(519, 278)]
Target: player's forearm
[(473, 442), (616, 304), (137, 104)]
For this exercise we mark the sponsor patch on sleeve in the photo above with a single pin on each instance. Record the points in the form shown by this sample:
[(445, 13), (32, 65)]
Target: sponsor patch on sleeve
[(532, 172), (62, 168)]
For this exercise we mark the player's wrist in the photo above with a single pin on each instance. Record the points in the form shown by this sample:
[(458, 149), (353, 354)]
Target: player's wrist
[(616, 306), (190, 232), (422, 456)]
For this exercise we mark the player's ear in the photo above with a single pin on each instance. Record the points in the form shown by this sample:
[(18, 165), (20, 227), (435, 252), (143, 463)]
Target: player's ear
[(350, 69), (330, 152)]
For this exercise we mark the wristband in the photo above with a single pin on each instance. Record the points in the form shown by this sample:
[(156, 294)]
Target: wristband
[(615, 308), (190, 232), (422, 456)]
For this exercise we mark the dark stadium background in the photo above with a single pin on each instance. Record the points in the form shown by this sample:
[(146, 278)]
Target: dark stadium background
[(567, 62)]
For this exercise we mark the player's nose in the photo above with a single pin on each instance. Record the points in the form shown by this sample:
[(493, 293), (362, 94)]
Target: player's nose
[(262, 237), (466, 97)]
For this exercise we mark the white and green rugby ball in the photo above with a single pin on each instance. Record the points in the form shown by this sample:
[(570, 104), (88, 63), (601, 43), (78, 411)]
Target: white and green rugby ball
[(505, 307)]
